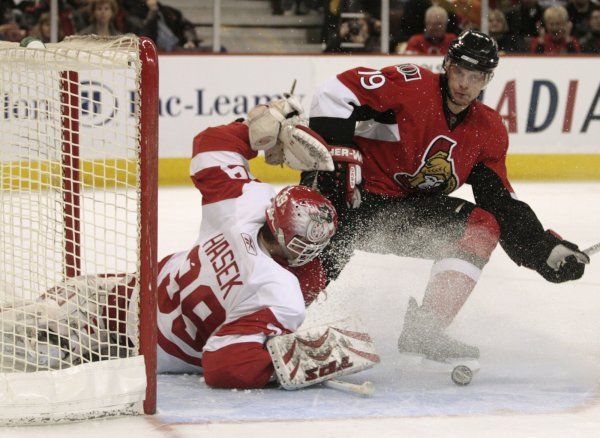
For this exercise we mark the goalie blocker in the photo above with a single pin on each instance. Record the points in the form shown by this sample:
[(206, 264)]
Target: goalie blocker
[(314, 355)]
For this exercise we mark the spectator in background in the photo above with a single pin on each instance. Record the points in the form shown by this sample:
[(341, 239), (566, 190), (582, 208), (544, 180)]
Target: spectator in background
[(498, 30), (102, 18), (413, 18), (11, 32), (591, 42), (579, 14), (41, 30), (372, 9), (81, 16), (556, 38), (435, 40), (355, 36), (465, 13), (396, 17), (525, 20), (330, 34), (8, 12), (10, 28), (33, 9), (165, 25)]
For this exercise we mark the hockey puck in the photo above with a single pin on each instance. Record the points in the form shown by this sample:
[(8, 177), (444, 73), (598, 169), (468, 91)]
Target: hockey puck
[(462, 375)]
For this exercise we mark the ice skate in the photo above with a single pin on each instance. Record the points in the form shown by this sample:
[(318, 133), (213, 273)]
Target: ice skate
[(424, 344)]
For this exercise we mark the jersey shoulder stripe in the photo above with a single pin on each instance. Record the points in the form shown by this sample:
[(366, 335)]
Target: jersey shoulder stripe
[(230, 138)]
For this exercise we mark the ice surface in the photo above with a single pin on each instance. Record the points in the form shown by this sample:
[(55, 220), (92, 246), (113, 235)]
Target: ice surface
[(539, 349)]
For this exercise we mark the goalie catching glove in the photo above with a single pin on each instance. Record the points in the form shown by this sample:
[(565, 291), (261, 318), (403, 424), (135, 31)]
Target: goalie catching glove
[(65, 326), (264, 121), (280, 130), (322, 353)]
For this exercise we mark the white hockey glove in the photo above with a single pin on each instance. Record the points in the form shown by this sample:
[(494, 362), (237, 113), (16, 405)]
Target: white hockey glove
[(24, 340), (303, 148), (314, 355), (280, 130), (264, 121), (64, 327), (83, 305)]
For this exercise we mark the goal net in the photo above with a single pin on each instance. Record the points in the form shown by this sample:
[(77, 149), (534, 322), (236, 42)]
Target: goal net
[(78, 192)]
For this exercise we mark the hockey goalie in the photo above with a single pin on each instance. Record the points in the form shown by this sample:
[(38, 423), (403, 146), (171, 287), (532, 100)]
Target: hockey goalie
[(229, 307)]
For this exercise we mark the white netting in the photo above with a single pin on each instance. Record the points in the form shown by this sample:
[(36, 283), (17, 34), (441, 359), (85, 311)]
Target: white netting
[(69, 203)]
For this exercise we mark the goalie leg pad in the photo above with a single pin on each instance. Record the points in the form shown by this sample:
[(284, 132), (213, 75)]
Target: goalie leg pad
[(321, 353)]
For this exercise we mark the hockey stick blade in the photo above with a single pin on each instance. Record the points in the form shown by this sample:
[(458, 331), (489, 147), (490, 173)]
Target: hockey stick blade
[(366, 389), (592, 249)]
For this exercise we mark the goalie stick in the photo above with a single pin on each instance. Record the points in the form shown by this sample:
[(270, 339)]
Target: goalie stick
[(365, 389)]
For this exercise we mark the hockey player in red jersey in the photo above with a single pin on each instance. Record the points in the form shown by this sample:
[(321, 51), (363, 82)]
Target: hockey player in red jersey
[(403, 139)]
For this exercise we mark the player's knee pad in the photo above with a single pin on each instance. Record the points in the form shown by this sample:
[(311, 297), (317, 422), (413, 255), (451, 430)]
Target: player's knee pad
[(481, 235), (245, 365)]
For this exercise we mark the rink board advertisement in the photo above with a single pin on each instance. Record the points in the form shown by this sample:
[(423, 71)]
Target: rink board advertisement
[(551, 106)]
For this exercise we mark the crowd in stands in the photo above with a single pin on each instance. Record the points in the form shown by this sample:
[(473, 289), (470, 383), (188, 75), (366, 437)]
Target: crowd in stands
[(427, 26), (165, 25)]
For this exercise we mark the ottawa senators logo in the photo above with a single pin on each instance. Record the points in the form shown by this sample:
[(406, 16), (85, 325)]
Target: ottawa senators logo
[(436, 173), (410, 72)]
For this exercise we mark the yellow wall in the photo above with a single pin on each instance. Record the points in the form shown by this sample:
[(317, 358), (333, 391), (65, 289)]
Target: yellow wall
[(559, 167), (175, 171)]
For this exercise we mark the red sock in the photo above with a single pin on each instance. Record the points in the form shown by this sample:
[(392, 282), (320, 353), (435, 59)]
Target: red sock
[(446, 293)]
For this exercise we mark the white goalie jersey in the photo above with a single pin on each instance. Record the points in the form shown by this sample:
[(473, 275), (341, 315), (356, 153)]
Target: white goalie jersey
[(225, 290)]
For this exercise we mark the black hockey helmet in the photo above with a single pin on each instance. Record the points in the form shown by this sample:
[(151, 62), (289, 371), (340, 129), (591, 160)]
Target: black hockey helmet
[(474, 50)]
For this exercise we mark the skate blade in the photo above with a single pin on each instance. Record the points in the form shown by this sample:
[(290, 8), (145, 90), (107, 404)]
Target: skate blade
[(420, 362)]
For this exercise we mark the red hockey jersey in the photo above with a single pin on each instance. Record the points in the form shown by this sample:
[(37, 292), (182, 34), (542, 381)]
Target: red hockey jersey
[(402, 132), (397, 118)]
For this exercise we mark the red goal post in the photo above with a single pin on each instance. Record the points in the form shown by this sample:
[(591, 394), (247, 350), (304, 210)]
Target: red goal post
[(78, 220)]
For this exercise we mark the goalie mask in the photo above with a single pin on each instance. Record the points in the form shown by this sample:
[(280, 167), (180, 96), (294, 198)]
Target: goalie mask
[(302, 221)]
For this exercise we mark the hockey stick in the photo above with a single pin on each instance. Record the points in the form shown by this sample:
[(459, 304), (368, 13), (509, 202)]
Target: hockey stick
[(592, 249), (366, 389)]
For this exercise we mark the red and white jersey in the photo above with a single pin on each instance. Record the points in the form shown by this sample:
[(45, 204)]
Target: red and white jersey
[(403, 134), (226, 289)]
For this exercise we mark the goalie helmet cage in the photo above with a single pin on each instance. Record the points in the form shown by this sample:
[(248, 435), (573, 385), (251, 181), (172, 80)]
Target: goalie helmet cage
[(78, 204)]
